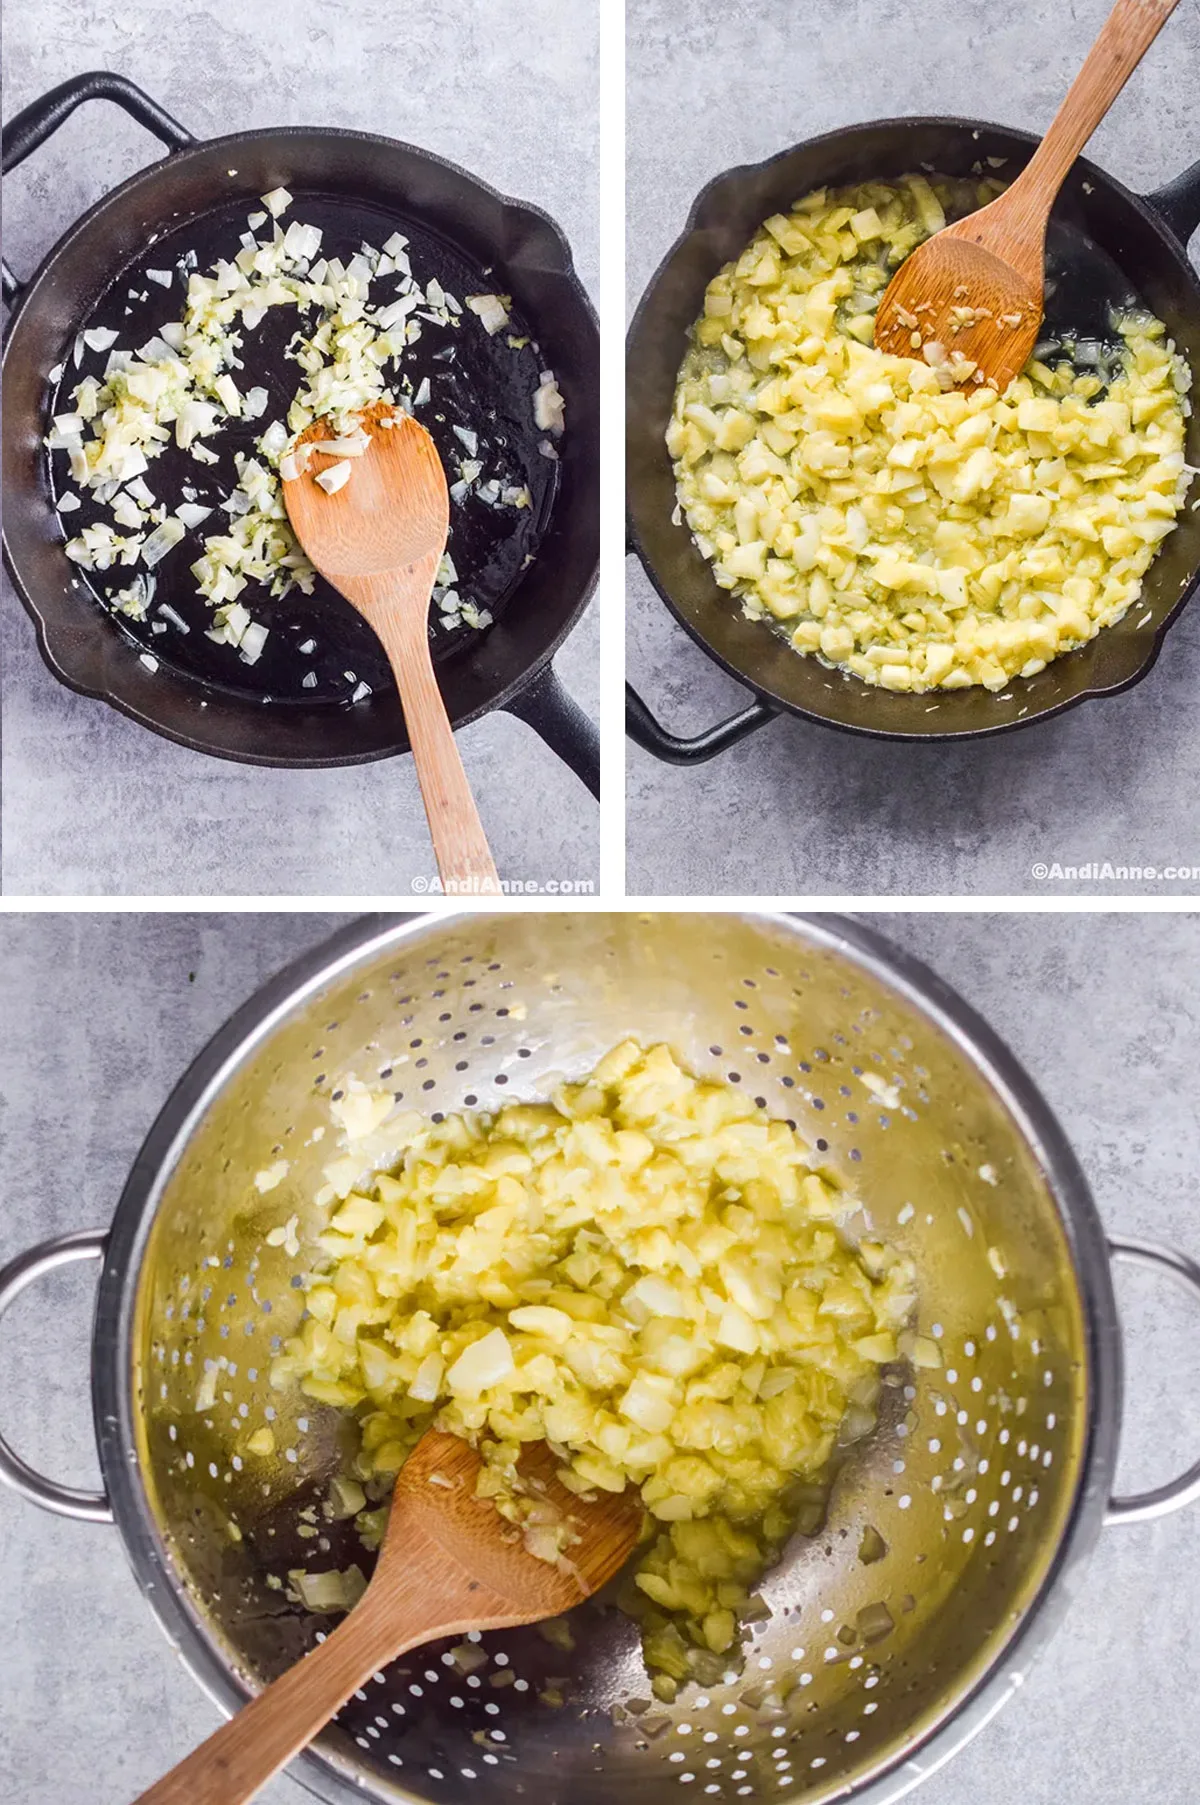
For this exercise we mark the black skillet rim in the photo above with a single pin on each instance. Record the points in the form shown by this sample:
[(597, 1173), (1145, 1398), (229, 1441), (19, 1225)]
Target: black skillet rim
[(765, 704), (98, 688)]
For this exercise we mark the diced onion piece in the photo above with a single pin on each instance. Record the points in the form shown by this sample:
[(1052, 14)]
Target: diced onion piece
[(491, 309), (486, 1362), (326, 1592), (67, 503), (353, 446), (252, 642), (163, 277), (191, 513), (99, 338), (161, 540), (277, 202), (427, 1380), (226, 391), (274, 441), (346, 1498), (548, 405), (335, 478), (254, 403)]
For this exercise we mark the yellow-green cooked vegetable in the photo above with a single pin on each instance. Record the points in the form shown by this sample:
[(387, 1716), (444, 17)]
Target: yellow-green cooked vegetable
[(646, 1272), (896, 518)]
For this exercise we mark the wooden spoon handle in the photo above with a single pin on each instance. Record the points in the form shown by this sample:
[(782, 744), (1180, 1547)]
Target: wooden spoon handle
[(460, 845), (240, 1757), (1125, 37)]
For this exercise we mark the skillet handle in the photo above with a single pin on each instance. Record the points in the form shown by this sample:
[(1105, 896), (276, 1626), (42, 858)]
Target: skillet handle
[(1178, 202), (1186, 1489), (41, 118), (550, 709), (645, 731)]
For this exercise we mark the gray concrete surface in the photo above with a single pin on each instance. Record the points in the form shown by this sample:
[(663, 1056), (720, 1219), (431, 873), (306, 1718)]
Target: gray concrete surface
[(103, 1012), (799, 809), (83, 787)]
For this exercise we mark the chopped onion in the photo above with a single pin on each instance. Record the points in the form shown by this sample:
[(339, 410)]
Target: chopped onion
[(99, 338), (353, 446), (191, 513), (390, 316), (335, 478), (277, 202), (161, 540), (274, 441), (126, 512), (469, 439), (226, 391), (175, 619), (301, 241), (289, 469), (548, 404), (55, 376), (395, 244), (252, 643), (484, 1363), (492, 311), (67, 503), (163, 277), (255, 403), (255, 220)]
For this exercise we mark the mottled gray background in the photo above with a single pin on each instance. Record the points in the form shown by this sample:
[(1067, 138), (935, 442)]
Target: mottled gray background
[(799, 809), (92, 803), (103, 1012)]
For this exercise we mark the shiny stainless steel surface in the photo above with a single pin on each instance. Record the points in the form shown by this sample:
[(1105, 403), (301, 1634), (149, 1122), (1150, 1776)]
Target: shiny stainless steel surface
[(985, 1481)]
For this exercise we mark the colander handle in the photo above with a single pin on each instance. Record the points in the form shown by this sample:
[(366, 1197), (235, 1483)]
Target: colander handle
[(1186, 1489), (64, 1500)]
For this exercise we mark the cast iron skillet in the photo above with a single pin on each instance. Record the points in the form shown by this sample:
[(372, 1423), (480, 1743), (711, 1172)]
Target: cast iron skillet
[(357, 187), (1106, 245)]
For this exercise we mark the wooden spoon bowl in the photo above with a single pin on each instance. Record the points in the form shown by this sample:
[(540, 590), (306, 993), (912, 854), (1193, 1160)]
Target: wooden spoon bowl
[(974, 291), (449, 1563)]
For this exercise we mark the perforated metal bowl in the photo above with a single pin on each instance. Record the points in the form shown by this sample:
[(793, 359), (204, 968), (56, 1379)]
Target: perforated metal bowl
[(984, 1483)]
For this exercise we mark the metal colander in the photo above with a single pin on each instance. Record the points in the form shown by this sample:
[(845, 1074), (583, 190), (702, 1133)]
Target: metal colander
[(895, 1630)]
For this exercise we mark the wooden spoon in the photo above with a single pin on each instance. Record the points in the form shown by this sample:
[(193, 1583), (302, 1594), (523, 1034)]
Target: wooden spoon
[(976, 287), (449, 1563), (379, 540)]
